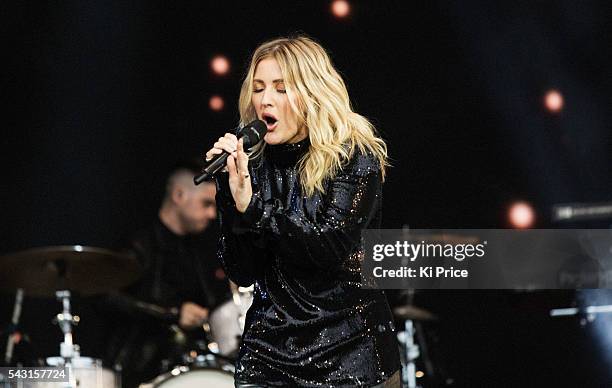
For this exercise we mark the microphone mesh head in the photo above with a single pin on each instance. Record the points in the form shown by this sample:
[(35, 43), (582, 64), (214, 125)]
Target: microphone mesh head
[(253, 132)]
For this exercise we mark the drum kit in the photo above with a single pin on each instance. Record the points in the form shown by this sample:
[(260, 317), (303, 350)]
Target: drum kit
[(59, 271), (63, 271)]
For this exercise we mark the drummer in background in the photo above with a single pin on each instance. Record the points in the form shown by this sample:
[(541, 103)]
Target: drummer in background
[(182, 281)]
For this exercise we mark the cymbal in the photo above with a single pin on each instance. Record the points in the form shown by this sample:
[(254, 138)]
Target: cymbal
[(86, 270), (413, 313)]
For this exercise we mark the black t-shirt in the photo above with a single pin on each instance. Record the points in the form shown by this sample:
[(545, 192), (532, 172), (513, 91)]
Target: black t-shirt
[(178, 269)]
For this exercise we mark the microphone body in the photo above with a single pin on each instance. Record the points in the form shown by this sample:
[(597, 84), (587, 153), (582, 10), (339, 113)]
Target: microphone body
[(251, 134)]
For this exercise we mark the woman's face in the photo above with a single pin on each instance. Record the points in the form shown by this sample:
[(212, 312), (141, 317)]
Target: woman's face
[(271, 103)]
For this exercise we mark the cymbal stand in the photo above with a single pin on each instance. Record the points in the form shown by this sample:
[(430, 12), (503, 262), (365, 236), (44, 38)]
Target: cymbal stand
[(411, 353), (65, 321), (68, 349), (10, 343)]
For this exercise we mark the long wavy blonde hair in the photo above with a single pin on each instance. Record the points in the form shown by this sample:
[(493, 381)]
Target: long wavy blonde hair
[(318, 96)]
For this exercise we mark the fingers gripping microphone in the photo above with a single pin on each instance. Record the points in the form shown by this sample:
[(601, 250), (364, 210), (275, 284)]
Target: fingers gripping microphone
[(251, 134)]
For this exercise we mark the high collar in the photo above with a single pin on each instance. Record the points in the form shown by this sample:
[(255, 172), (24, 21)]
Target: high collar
[(288, 154)]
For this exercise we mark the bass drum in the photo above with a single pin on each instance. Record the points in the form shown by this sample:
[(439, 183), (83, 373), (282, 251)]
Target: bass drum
[(205, 370), (188, 377), (87, 373)]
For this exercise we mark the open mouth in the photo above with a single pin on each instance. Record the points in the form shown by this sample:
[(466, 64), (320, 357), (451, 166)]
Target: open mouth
[(270, 120)]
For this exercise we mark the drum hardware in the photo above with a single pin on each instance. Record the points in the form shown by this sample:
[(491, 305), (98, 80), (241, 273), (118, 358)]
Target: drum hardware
[(12, 333), (82, 371), (411, 353), (209, 345), (409, 347), (203, 359), (179, 337), (65, 320), (59, 271), (408, 344), (407, 338)]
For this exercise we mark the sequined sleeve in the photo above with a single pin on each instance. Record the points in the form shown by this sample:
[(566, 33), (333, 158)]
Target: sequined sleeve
[(351, 200), (239, 249)]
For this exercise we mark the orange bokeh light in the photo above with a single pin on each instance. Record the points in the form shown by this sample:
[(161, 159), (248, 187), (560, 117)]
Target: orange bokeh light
[(521, 215), (553, 101), (220, 65), (216, 103), (340, 8)]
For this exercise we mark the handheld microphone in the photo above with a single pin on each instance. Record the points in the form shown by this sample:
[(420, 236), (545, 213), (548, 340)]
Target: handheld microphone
[(251, 134)]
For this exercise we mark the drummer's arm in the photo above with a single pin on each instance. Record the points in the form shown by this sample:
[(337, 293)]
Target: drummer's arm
[(135, 308)]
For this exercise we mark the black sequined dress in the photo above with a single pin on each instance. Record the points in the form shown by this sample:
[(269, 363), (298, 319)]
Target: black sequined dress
[(311, 324)]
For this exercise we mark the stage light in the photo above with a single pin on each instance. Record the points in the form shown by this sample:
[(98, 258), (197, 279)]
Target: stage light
[(553, 100), (216, 103), (521, 215), (419, 374), (340, 8), (220, 65)]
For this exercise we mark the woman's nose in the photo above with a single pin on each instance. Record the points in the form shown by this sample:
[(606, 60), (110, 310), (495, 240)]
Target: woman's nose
[(266, 99)]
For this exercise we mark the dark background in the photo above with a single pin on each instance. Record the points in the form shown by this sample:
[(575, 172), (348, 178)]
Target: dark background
[(102, 98)]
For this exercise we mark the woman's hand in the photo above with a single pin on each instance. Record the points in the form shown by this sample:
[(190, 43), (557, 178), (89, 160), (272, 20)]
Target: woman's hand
[(237, 166), (239, 179)]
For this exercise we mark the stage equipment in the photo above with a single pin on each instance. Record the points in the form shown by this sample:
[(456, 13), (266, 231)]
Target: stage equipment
[(84, 270)]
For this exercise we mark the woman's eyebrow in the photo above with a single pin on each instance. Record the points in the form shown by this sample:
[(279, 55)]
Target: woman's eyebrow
[(276, 81)]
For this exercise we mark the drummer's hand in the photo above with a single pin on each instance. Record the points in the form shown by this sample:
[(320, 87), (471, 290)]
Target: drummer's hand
[(192, 315), (239, 179), (227, 143)]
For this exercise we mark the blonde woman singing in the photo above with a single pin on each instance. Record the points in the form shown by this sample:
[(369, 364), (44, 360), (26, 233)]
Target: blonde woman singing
[(292, 212)]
